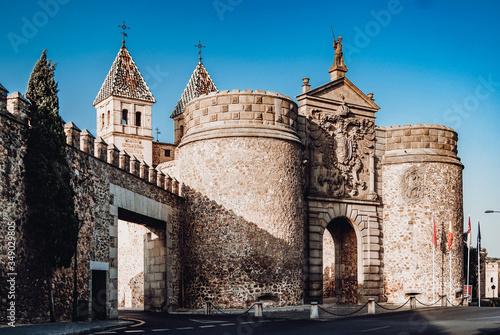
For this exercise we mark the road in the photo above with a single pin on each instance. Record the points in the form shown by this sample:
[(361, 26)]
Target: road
[(459, 320)]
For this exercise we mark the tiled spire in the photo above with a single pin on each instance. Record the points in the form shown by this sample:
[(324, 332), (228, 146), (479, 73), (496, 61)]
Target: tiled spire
[(124, 80), (199, 83)]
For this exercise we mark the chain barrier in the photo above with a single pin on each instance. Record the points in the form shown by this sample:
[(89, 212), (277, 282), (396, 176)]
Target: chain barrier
[(461, 302), (420, 302), (350, 313), (392, 309), (234, 314)]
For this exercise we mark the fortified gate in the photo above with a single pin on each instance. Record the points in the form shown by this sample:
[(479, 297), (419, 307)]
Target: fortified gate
[(259, 198)]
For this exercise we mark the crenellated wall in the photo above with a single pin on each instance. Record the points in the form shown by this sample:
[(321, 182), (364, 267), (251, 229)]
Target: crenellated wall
[(108, 185), (422, 179)]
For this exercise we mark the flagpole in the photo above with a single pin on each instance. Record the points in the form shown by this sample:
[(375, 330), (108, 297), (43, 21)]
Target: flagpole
[(450, 247), (433, 258), (479, 263), (468, 258)]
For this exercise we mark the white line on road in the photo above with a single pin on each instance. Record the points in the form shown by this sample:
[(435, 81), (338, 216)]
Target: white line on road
[(108, 332), (372, 329), (207, 326), (135, 331), (228, 324), (184, 328), (159, 330), (486, 317), (205, 321)]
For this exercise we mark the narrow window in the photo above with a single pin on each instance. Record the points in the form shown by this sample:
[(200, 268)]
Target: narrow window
[(124, 116), (167, 153), (182, 130), (138, 119), (102, 121), (109, 118)]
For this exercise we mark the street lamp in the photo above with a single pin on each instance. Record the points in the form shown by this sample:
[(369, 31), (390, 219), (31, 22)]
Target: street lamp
[(489, 211)]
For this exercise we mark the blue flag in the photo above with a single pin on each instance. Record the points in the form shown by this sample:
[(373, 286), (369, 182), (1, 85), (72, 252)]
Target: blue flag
[(478, 238)]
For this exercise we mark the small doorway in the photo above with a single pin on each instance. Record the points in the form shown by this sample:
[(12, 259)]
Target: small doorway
[(340, 262), (99, 295)]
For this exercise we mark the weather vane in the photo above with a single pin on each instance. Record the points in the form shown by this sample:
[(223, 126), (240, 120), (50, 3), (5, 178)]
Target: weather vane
[(123, 26), (157, 133), (199, 46)]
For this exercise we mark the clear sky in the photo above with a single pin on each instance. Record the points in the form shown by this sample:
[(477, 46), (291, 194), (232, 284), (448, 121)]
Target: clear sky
[(426, 61)]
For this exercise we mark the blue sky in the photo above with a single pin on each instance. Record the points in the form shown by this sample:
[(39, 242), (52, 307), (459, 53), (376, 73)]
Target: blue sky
[(426, 61)]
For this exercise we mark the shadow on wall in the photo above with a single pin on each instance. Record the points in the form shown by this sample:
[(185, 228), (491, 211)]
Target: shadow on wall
[(232, 262)]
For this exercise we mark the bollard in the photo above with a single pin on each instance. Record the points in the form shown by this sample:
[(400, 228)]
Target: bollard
[(413, 302), (208, 308), (371, 306), (258, 309), (314, 310), (444, 301)]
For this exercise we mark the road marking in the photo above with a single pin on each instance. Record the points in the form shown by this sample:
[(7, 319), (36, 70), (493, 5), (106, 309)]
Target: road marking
[(245, 322), (159, 330), (228, 324), (137, 325), (206, 326), (206, 321), (108, 332), (184, 328), (487, 317), (135, 331), (372, 329)]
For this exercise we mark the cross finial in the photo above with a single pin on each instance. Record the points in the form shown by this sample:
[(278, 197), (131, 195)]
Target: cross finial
[(199, 46), (123, 26)]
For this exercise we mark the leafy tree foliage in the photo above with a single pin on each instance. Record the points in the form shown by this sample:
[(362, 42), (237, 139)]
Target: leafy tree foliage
[(49, 195)]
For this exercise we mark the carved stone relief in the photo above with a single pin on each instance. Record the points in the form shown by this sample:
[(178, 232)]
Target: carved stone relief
[(342, 147), (411, 185)]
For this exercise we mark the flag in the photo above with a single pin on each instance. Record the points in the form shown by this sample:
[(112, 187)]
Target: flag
[(434, 240), (450, 237), (478, 238), (468, 235)]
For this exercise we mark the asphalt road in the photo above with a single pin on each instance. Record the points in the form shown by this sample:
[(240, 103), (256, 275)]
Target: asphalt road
[(458, 320)]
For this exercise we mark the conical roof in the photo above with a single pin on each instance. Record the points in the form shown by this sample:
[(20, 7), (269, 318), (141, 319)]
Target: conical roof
[(200, 83), (124, 80)]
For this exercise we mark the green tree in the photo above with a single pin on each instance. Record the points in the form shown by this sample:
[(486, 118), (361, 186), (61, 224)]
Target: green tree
[(49, 195)]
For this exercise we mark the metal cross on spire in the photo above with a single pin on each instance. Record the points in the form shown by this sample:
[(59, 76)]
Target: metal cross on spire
[(199, 46), (123, 26)]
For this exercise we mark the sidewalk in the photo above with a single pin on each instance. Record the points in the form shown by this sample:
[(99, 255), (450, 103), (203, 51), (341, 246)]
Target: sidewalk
[(63, 328)]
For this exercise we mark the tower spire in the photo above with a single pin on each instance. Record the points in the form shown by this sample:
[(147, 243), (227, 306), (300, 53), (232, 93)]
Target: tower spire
[(123, 26)]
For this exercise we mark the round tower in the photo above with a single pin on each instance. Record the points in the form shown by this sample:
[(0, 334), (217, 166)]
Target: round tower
[(240, 162), (422, 183)]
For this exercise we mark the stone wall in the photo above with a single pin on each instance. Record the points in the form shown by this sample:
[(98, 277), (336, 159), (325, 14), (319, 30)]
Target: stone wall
[(244, 197), (97, 203), (422, 179)]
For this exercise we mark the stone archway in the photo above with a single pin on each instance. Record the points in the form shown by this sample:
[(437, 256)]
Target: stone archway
[(340, 267)]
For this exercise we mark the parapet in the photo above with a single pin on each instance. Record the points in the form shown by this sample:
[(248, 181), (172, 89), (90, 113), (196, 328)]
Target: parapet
[(14, 104), (98, 148), (241, 113), (420, 143)]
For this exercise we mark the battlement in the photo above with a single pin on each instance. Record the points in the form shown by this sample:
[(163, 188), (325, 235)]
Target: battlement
[(261, 113), (97, 147), (14, 104), (418, 140)]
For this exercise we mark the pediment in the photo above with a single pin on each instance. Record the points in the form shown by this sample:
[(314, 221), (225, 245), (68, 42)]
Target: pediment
[(341, 89)]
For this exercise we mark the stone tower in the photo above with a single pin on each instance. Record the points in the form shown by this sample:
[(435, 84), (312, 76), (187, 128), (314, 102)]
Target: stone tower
[(124, 107), (240, 160)]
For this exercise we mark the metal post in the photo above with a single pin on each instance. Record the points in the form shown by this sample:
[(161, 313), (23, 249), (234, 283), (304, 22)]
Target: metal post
[(444, 301), (314, 310), (371, 306), (208, 307), (258, 309), (413, 302)]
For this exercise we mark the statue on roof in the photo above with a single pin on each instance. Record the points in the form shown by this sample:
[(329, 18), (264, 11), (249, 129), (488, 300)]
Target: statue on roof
[(338, 60)]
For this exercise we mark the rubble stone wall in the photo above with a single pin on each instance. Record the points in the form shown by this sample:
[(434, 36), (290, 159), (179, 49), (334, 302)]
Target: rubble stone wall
[(422, 179), (244, 196)]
